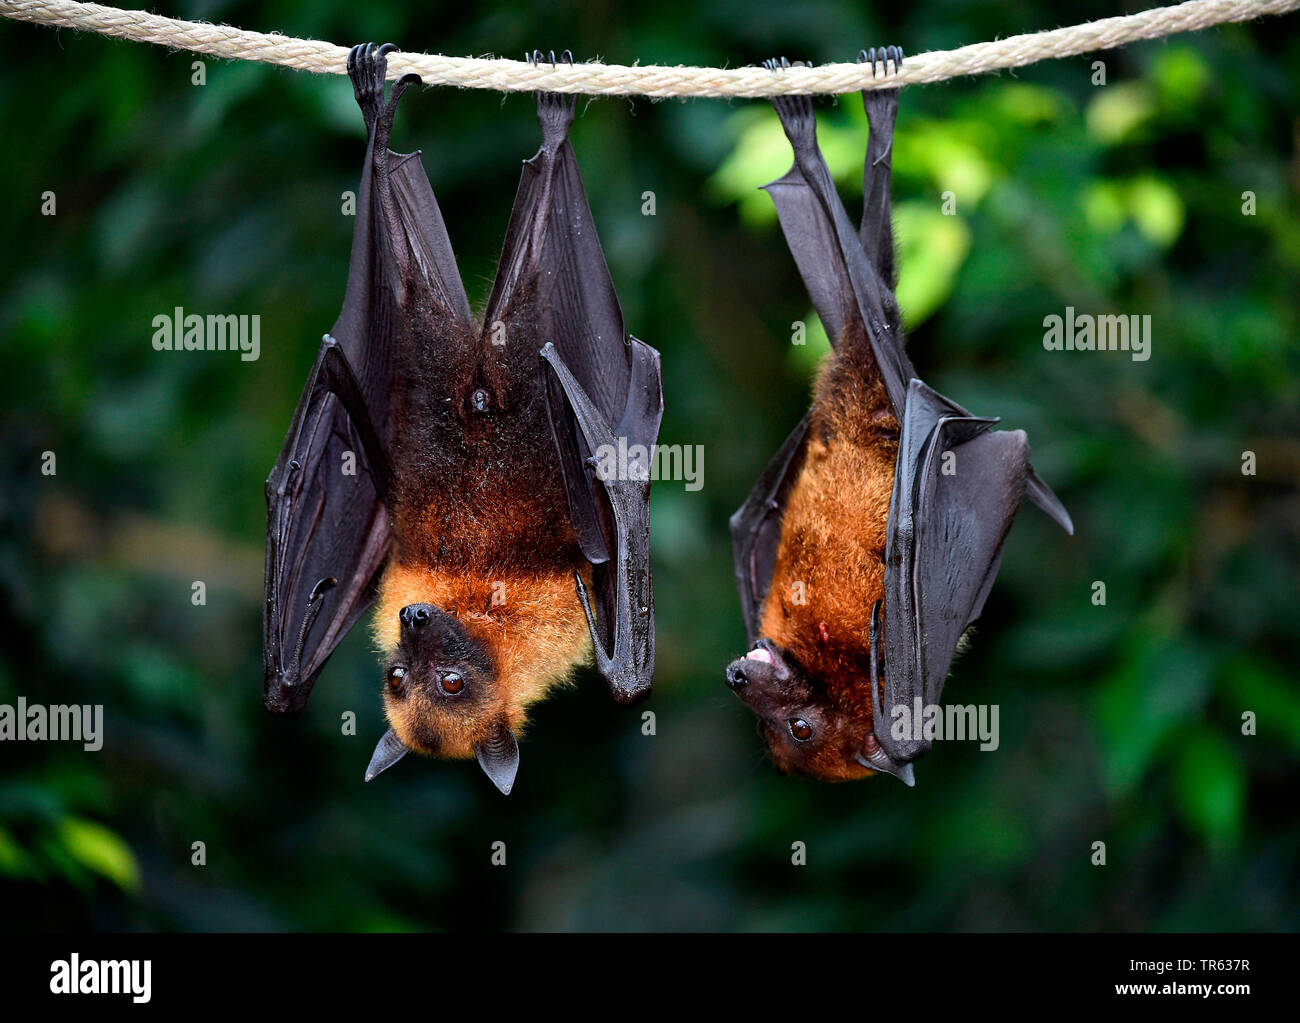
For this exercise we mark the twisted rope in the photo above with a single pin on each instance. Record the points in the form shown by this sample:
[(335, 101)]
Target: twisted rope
[(655, 81)]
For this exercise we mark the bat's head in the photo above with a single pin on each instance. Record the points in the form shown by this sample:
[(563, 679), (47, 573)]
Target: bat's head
[(810, 728), (442, 699), (805, 731)]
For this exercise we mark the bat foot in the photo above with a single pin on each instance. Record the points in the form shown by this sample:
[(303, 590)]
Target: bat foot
[(554, 110), (881, 105), (368, 69), (796, 112)]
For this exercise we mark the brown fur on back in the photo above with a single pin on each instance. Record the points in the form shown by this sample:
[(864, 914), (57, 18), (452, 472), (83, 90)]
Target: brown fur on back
[(832, 548)]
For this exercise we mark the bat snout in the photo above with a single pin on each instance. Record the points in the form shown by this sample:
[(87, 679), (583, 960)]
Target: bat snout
[(416, 616), (737, 676), (760, 678)]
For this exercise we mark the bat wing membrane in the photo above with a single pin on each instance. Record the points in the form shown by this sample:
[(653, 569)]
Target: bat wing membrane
[(327, 530), (756, 528), (955, 495)]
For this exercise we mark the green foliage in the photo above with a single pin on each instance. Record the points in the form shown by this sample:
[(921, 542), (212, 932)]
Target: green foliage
[(1125, 722)]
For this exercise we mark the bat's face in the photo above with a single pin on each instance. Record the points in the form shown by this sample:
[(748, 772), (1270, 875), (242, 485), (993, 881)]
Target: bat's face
[(806, 732), (440, 691)]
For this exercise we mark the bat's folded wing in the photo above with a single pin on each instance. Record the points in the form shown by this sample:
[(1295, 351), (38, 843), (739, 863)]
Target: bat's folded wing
[(327, 524), (610, 490), (327, 530), (957, 485), (756, 528)]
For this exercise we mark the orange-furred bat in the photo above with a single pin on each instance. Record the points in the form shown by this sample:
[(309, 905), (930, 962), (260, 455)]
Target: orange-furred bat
[(446, 470), (873, 537)]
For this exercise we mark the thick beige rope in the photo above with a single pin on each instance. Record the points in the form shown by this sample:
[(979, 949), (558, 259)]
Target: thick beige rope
[(653, 81)]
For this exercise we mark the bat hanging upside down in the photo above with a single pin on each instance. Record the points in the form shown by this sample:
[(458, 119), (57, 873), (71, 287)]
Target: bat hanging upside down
[(446, 470), (873, 537)]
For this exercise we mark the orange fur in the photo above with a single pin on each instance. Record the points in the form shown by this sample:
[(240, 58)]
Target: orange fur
[(536, 634), (830, 566)]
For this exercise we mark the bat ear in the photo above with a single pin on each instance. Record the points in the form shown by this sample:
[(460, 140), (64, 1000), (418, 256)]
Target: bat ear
[(389, 751), (498, 755)]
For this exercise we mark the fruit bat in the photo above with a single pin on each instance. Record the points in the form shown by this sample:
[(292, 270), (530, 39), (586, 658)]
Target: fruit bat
[(447, 471), (871, 540)]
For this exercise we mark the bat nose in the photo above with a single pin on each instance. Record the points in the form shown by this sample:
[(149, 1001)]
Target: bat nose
[(736, 677), (416, 615)]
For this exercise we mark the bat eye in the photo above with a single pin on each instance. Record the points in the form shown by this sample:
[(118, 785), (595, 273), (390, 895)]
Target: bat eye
[(396, 676), (800, 729), (451, 682)]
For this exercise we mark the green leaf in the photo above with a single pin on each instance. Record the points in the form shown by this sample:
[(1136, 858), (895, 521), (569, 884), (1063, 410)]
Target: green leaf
[(1118, 111), (1210, 787), (1158, 687), (931, 249), (805, 358), (99, 850), (1259, 687), (954, 156), (761, 154), (1180, 75), (13, 861), (1157, 210)]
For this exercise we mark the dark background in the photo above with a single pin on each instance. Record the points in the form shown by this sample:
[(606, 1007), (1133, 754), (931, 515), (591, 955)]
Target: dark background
[(1120, 724)]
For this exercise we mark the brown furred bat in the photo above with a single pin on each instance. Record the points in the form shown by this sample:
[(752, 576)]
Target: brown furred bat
[(445, 470), (872, 539)]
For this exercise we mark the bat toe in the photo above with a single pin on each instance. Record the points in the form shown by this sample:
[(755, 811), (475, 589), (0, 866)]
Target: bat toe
[(880, 57)]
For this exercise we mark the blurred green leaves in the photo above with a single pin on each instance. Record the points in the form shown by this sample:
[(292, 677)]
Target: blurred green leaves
[(1120, 722), (96, 849), (1211, 787), (42, 838)]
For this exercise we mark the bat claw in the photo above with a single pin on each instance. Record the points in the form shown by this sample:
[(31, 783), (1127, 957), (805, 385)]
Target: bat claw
[(315, 601), (538, 57), (879, 59), (882, 764)]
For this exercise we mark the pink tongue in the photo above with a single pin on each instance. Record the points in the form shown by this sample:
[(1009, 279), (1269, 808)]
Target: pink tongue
[(759, 655)]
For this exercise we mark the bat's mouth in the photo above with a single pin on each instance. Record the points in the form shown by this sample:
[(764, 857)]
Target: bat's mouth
[(763, 663), (766, 652)]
